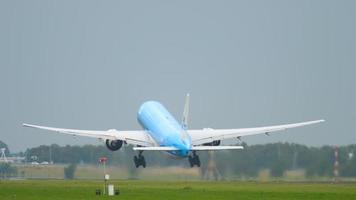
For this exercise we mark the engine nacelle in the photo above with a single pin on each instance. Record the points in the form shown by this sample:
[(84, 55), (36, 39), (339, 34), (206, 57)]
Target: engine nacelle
[(213, 143), (114, 145)]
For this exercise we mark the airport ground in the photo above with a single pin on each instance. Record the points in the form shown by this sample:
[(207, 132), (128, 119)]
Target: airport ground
[(44, 182), (177, 173), (139, 189)]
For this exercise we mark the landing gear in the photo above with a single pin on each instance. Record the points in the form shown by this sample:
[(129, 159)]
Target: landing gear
[(140, 160), (194, 160)]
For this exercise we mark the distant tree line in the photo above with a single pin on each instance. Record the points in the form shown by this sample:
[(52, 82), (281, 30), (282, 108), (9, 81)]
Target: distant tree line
[(277, 157)]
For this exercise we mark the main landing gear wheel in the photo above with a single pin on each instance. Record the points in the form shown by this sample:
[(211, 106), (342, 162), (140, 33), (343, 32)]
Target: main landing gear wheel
[(194, 160), (140, 160)]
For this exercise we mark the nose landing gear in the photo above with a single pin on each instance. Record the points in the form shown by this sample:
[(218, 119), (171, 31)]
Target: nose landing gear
[(194, 160)]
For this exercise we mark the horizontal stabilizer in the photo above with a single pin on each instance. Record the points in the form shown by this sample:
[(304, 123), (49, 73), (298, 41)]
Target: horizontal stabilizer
[(155, 149), (196, 148), (214, 148)]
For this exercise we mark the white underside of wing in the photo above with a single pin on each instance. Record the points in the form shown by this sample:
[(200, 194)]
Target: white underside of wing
[(208, 135), (130, 137)]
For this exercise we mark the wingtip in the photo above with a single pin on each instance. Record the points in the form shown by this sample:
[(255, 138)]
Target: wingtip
[(26, 125), (317, 121)]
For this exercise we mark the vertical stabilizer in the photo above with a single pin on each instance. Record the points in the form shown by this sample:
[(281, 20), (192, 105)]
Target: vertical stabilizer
[(185, 113)]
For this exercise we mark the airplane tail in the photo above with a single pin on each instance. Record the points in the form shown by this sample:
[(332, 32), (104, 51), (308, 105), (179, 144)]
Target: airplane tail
[(185, 113)]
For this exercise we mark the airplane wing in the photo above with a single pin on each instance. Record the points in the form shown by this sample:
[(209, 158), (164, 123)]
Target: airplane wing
[(131, 137), (197, 148), (207, 135)]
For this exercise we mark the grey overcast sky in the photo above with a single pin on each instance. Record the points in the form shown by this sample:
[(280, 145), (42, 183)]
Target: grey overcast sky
[(90, 64)]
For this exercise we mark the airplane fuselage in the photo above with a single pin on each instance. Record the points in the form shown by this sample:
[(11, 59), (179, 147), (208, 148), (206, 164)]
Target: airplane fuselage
[(164, 128)]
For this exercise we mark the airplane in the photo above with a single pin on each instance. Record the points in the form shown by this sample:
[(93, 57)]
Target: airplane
[(162, 132)]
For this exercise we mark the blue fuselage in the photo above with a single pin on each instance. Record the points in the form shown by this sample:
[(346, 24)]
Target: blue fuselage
[(164, 128)]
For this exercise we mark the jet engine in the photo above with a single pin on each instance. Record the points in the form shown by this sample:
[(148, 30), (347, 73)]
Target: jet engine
[(114, 145)]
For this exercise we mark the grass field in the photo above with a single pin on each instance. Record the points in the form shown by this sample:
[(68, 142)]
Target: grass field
[(137, 189)]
